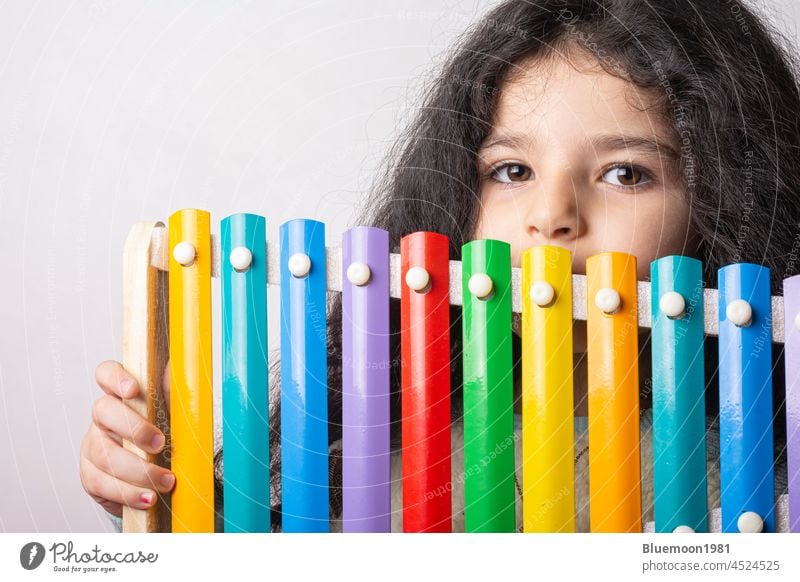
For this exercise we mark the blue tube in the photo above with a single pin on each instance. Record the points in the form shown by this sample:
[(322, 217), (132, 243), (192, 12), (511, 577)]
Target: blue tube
[(304, 381), (745, 398)]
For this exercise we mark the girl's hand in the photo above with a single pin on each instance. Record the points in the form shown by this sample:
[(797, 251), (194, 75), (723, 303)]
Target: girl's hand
[(111, 475)]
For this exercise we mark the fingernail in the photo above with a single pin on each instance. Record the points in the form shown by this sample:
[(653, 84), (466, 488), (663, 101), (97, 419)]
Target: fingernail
[(157, 442), (126, 386), (168, 480), (146, 497)]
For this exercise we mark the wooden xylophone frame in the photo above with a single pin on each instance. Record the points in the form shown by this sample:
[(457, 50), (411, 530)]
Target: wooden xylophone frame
[(145, 338)]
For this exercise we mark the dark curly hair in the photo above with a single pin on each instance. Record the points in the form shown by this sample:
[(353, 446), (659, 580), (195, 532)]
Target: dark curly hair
[(727, 87)]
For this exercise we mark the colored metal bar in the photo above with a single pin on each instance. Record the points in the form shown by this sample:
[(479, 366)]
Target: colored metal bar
[(366, 364), (191, 374), (304, 378), (791, 306), (745, 398), (679, 421), (489, 490), (245, 376), (548, 466), (425, 378), (613, 391)]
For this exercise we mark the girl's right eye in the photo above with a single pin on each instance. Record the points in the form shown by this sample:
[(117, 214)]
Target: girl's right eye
[(510, 172)]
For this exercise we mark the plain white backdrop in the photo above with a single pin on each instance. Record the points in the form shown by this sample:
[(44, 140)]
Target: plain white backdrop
[(113, 111)]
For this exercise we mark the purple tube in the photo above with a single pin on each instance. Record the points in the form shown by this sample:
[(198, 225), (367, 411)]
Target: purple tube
[(791, 306), (366, 478)]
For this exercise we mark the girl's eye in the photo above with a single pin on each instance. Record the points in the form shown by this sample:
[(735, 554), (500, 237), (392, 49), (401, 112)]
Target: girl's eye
[(626, 176), (508, 173)]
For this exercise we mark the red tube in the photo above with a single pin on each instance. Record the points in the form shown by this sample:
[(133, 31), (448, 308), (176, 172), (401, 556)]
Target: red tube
[(425, 343)]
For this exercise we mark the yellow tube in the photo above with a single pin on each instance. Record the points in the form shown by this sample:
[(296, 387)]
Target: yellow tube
[(548, 472), (191, 373)]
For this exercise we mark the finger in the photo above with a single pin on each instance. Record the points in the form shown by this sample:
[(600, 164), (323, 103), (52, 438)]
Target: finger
[(112, 414), (112, 435), (110, 506), (109, 489), (90, 435), (125, 465), (115, 380)]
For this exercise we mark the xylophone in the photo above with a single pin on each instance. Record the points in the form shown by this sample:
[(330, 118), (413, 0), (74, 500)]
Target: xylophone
[(167, 314)]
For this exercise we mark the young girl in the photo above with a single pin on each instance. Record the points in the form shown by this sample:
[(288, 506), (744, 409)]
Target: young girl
[(649, 128)]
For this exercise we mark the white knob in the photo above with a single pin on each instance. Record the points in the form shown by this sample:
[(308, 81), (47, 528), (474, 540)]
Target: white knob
[(672, 304), (184, 253), (750, 522), (797, 321), (241, 258), (607, 300), (739, 312), (299, 265), (683, 529), (480, 285), (542, 293), (417, 278), (358, 274)]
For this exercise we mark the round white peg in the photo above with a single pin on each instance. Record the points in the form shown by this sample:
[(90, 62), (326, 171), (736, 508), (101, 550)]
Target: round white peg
[(358, 274), (797, 321), (241, 258), (672, 304), (542, 293), (608, 300), (299, 265), (750, 522), (480, 285), (683, 529), (417, 278), (739, 312), (184, 253)]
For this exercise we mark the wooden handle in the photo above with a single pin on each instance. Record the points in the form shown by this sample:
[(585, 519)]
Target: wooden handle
[(145, 348)]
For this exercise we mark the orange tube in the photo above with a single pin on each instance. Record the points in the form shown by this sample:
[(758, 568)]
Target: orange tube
[(613, 386)]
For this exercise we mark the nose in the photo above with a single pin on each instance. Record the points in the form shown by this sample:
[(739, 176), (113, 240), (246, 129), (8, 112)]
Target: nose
[(551, 215)]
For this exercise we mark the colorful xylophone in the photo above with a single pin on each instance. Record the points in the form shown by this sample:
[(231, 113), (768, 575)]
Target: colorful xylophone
[(167, 280)]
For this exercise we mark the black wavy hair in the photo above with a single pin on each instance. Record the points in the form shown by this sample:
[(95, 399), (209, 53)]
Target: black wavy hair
[(725, 81)]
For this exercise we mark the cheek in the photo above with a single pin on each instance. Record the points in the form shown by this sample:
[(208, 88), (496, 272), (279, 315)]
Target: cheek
[(493, 221), (670, 230), (659, 231), (500, 226)]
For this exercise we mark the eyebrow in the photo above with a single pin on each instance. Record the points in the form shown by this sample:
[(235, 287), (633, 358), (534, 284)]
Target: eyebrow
[(604, 142)]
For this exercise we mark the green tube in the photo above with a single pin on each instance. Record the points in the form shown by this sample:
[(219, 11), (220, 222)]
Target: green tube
[(489, 492)]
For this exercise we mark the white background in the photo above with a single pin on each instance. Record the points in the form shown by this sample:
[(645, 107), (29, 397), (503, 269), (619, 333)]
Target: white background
[(117, 111)]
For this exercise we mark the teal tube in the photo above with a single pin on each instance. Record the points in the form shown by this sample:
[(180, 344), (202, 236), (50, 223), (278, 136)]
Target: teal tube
[(245, 381), (679, 422)]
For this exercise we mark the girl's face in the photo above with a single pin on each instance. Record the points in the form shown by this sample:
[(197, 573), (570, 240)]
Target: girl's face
[(576, 160)]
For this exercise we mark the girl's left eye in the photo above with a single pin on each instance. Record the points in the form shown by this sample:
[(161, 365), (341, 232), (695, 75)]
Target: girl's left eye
[(626, 176)]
